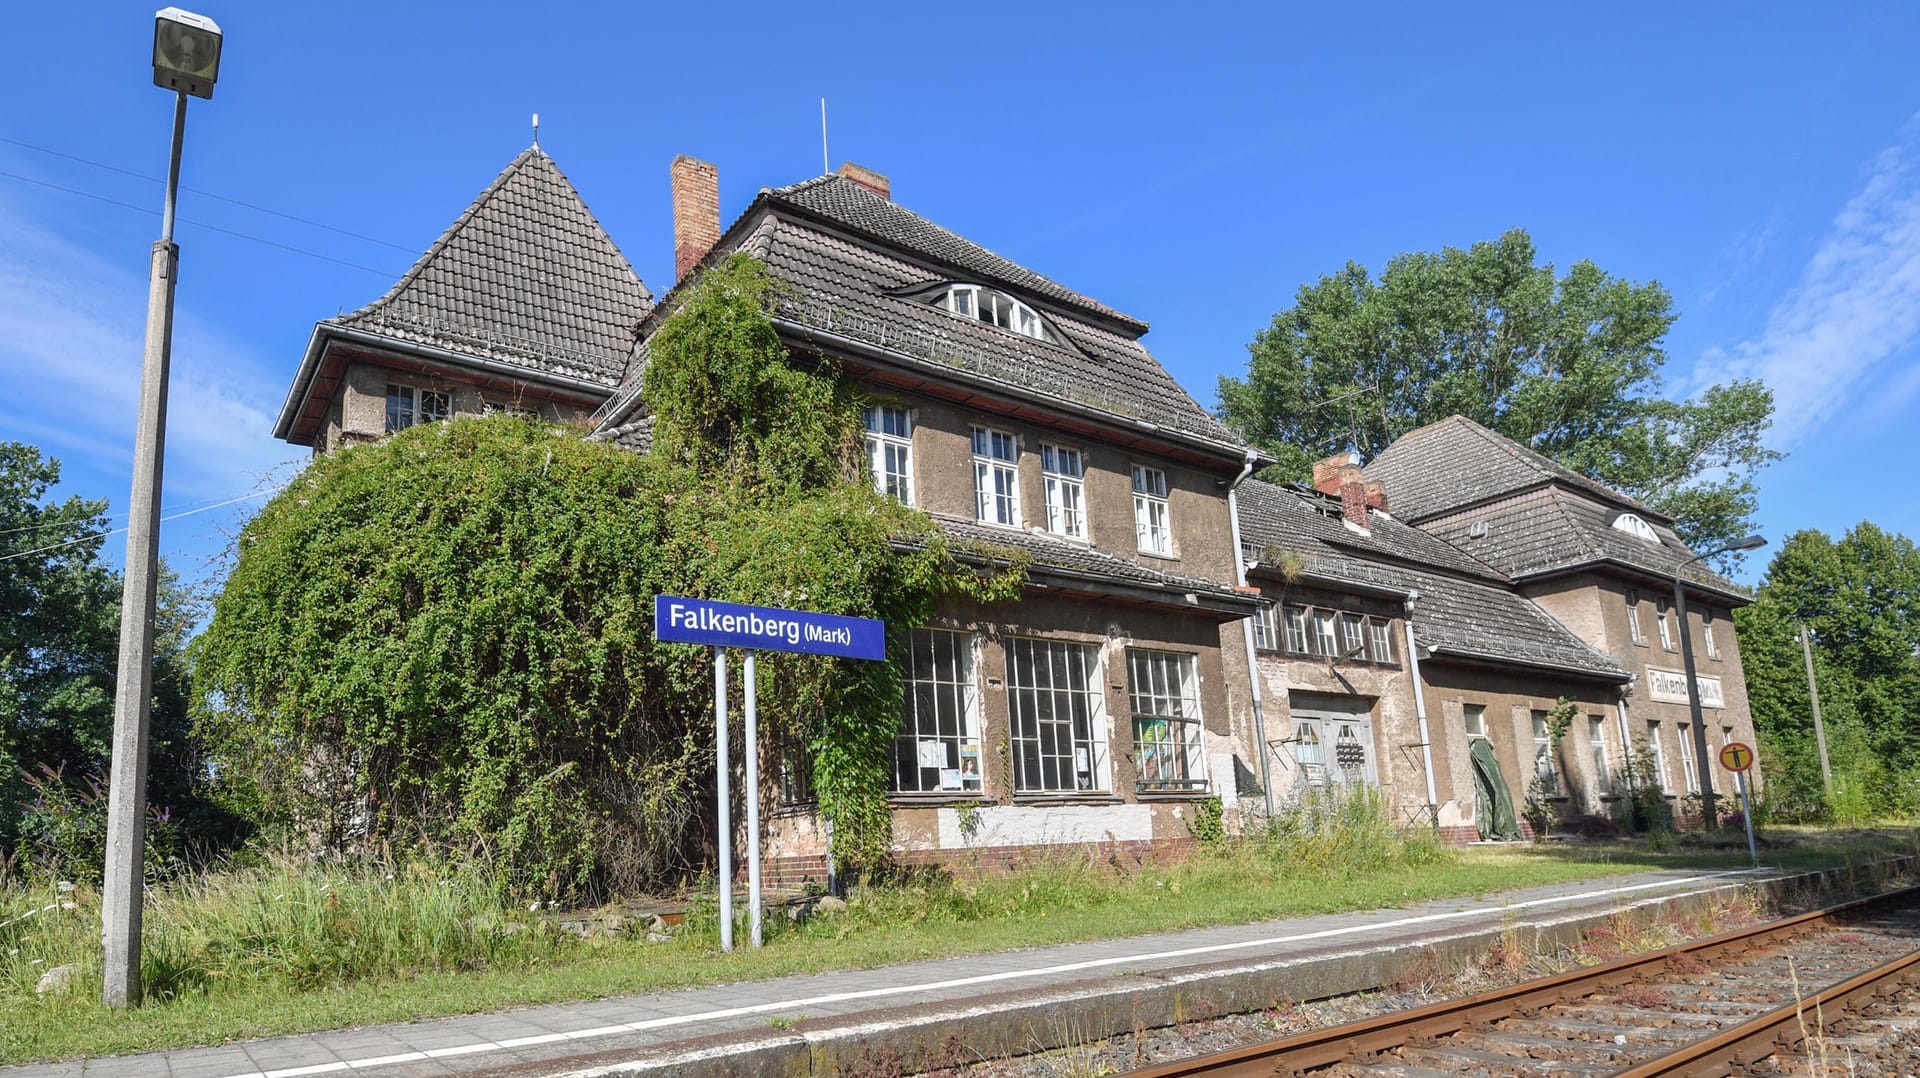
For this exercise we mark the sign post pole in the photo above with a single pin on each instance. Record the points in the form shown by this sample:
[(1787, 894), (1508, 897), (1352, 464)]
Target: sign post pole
[(1737, 757), (720, 768), (1746, 813), (753, 797)]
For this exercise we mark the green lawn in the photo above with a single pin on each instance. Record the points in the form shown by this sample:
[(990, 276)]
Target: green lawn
[(274, 950)]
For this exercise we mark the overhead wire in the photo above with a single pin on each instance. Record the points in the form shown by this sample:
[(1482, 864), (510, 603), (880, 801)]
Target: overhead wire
[(116, 531), (201, 224)]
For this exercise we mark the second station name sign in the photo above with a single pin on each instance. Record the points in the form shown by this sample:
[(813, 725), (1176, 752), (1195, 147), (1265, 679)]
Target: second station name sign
[(765, 628)]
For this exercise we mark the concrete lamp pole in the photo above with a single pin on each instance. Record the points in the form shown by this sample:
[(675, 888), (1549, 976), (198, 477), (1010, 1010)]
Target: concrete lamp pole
[(186, 60), (1704, 772)]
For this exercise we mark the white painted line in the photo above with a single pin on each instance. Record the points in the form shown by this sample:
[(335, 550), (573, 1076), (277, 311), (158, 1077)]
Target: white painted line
[(967, 982)]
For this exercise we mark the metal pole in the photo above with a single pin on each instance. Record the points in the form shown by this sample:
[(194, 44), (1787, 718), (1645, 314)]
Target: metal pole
[(1702, 773), (1746, 813), (720, 767), (753, 800), (1819, 728), (122, 886), (1253, 656), (1420, 711)]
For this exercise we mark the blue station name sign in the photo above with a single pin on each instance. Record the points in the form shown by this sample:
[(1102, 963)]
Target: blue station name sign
[(766, 628)]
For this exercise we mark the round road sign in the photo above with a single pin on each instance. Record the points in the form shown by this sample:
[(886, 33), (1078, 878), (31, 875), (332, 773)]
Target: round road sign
[(1735, 756)]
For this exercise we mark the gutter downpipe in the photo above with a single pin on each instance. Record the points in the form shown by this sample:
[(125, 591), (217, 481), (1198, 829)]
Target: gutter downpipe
[(1626, 746), (1246, 627), (1420, 711)]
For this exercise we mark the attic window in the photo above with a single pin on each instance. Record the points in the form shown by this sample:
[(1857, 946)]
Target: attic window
[(1639, 529), (997, 308)]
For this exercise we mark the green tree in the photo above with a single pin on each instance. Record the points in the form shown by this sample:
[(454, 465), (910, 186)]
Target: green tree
[(445, 639), (59, 649), (1568, 364), (1860, 599)]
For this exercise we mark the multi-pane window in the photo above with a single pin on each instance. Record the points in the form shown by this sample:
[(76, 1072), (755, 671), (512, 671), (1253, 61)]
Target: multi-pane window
[(996, 477), (1062, 473), (1475, 719), (1658, 755), (1058, 715), (972, 301), (1150, 523), (1689, 770), (408, 405), (1265, 638), (1323, 641), (1380, 635), (938, 747), (890, 451), (1296, 618), (1706, 634), (1353, 636), (1633, 618), (1164, 694), (1666, 628), (1543, 751), (796, 771), (1597, 744)]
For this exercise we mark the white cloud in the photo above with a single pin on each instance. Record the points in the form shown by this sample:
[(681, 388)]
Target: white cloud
[(1851, 325), (72, 328)]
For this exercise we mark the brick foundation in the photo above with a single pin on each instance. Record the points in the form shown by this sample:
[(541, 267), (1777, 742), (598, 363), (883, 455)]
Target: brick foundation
[(983, 861)]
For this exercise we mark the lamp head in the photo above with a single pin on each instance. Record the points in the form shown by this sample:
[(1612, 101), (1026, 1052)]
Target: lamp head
[(186, 51), (1751, 542)]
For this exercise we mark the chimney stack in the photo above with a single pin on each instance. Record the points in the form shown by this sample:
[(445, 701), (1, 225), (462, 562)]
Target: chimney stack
[(866, 178), (1353, 496), (696, 213), (1327, 473), (1377, 494)]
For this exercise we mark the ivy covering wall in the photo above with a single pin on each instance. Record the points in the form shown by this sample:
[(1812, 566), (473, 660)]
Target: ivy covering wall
[(444, 640)]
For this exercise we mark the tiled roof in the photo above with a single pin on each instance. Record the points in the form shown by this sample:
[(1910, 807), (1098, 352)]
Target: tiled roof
[(1549, 529), (849, 205), (1456, 462), (525, 276), (1464, 609), (636, 435), (1053, 552)]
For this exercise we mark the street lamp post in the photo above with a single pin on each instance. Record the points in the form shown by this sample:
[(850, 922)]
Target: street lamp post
[(1704, 772), (186, 60)]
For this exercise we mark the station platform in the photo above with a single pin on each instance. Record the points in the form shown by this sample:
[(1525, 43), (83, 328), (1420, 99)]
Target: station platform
[(900, 1018)]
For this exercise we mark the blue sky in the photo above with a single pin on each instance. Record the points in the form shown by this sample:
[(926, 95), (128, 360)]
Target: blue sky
[(1191, 165)]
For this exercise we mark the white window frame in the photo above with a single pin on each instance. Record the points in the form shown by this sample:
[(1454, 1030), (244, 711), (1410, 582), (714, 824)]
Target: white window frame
[(995, 308), (939, 715), (1152, 522), (1689, 769), (996, 477), (1048, 679), (1659, 755), (1353, 636), (889, 442), (1380, 639), (1063, 471), (1473, 718), (1597, 746), (1633, 619), (1706, 634), (1325, 640), (1163, 694), (1661, 612), (416, 402), (1543, 750), (1266, 629), (1294, 618)]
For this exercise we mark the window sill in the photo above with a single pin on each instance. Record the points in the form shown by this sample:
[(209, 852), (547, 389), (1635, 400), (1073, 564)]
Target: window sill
[(934, 800), (1157, 556), (1202, 794), (1088, 798)]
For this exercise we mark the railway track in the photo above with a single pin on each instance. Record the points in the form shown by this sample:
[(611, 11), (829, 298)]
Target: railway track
[(1828, 989)]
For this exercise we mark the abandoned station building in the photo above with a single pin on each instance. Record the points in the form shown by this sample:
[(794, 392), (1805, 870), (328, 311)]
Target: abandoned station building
[(1187, 633)]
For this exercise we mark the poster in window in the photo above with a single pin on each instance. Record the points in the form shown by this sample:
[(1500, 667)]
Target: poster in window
[(949, 778), (933, 754), (1083, 767), (970, 764)]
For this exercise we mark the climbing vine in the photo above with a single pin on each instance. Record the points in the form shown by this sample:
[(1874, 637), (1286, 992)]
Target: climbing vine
[(445, 639)]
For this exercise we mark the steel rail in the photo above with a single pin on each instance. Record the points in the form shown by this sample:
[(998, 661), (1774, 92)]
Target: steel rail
[(1785, 1028), (1356, 1040)]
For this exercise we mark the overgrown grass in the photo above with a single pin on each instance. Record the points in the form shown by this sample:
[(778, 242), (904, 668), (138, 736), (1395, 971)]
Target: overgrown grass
[(282, 947)]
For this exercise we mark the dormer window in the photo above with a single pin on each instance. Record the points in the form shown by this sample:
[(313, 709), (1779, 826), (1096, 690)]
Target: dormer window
[(1639, 529), (997, 308)]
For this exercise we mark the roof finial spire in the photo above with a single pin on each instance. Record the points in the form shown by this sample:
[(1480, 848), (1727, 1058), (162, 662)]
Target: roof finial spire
[(536, 130)]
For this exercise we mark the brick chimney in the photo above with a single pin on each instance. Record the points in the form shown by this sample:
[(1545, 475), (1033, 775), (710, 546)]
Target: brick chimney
[(1327, 473), (866, 178), (1377, 494), (1353, 496), (696, 213)]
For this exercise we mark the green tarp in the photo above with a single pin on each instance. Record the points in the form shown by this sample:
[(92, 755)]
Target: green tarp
[(1494, 805)]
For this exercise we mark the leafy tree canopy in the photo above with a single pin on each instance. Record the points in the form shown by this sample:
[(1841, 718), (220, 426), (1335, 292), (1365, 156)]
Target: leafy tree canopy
[(1859, 597), (446, 638), (1568, 364), (59, 650)]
